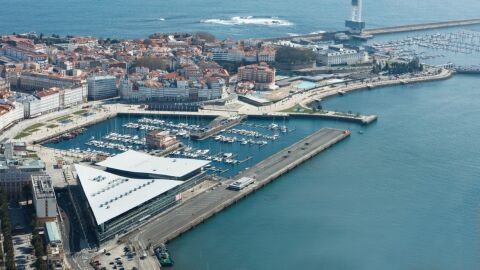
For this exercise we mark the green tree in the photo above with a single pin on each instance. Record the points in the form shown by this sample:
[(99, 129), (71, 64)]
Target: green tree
[(208, 37), (6, 230), (292, 55)]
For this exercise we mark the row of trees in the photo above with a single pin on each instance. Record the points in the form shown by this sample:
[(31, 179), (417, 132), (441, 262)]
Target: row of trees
[(7, 232), (396, 68), (292, 55), (49, 40), (37, 244), (153, 62)]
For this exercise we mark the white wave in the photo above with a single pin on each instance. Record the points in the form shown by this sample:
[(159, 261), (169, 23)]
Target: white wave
[(317, 32), (161, 19), (273, 21)]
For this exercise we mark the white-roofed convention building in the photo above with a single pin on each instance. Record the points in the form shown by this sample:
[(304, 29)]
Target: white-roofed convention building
[(120, 203), (142, 165)]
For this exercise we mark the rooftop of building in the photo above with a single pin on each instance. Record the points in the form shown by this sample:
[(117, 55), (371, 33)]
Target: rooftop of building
[(140, 163), (110, 195), (42, 186), (260, 66), (101, 77), (53, 233), (47, 92)]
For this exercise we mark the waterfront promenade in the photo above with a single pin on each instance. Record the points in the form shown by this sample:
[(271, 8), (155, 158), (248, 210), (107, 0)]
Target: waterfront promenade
[(11, 132), (323, 92)]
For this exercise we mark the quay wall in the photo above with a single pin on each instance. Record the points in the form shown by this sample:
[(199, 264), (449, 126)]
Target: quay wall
[(386, 30), (363, 119), (446, 74), (419, 27), (69, 129), (259, 182)]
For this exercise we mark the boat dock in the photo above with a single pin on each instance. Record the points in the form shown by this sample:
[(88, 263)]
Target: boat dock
[(218, 125), (196, 210), (343, 116)]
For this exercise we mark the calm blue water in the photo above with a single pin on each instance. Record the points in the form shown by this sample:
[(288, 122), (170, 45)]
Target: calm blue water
[(404, 195), (134, 19)]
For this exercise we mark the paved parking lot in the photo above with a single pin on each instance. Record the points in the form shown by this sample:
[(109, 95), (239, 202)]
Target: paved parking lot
[(126, 257), (23, 251)]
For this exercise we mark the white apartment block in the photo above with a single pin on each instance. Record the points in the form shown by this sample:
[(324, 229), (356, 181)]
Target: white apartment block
[(239, 55), (10, 113), (73, 96), (44, 198), (341, 57), (39, 81), (183, 92), (41, 103)]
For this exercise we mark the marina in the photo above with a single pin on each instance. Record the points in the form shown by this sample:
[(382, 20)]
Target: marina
[(431, 47), (230, 151)]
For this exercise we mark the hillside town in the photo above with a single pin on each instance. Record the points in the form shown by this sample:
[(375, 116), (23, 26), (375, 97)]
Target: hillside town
[(40, 74)]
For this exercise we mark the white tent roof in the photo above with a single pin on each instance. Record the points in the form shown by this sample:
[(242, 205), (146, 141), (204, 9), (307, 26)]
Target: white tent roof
[(138, 162), (110, 195)]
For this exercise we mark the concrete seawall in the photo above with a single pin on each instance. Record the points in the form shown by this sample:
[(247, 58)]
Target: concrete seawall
[(360, 119), (69, 129), (420, 27), (192, 212), (446, 74), (387, 30)]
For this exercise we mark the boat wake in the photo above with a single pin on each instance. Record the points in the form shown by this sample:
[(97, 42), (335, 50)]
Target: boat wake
[(249, 20)]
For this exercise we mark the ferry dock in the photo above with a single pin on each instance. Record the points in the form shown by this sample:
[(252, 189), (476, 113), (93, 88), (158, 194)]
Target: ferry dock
[(196, 210)]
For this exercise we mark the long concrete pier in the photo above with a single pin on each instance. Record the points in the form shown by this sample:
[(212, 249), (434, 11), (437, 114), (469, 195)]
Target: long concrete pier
[(386, 30), (419, 27), (341, 116), (205, 205)]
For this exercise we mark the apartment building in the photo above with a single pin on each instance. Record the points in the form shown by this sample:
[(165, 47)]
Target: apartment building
[(37, 81), (102, 87), (339, 55), (10, 113), (44, 198), (41, 102), (260, 74)]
